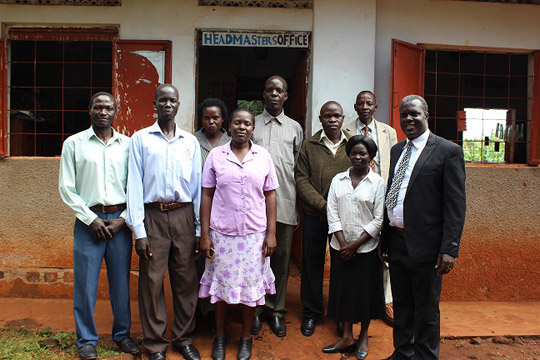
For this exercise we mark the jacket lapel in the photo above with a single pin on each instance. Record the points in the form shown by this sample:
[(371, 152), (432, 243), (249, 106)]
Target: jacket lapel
[(426, 153)]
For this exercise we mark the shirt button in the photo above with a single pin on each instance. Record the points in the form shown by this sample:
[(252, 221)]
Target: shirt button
[(242, 182), (244, 210), (242, 196)]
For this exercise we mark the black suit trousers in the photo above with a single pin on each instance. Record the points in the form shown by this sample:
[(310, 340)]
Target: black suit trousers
[(416, 289)]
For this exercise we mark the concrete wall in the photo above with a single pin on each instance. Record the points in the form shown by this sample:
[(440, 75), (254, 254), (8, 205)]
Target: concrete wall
[(461, 23), (497, 261)]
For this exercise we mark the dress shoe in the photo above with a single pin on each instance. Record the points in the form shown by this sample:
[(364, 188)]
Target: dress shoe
[(244, 348), (87, 352), (339, 328), (189, 352), (256, 327), (361, 355), (308, 326), (277, 325), (160, 355), (218, 348), (332, 349), (389, 318), (128, 346)]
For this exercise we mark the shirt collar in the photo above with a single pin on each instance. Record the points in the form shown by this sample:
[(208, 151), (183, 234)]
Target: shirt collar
[(156, 129), (371, 176), (249, 156), (115, 137), (420, 141), (267, 117), (360, 125), (323, 135)]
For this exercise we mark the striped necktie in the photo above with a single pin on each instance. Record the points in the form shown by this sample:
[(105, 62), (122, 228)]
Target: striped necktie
[(391, 198)]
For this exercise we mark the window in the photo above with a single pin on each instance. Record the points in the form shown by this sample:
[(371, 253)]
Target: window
[(484, 85), (50, 85)]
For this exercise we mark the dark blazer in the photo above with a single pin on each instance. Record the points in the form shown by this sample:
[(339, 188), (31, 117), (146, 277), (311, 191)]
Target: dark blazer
[(434, 205)]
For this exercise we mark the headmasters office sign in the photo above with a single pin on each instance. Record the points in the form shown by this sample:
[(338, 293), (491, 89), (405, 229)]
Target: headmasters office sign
[(256, 39)]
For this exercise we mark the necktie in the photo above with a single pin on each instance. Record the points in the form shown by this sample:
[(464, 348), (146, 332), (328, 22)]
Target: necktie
[(372, 162), (391, 198)]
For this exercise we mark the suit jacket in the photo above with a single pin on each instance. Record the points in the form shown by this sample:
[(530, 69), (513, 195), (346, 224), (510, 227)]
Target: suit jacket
[(386, 138), (434, 204)]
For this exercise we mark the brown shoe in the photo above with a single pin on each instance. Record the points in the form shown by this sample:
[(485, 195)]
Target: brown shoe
[(389, 319)]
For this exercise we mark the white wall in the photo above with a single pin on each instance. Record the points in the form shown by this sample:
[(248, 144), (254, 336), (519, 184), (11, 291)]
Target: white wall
[(459, 23), (343, 53), (174, 20)]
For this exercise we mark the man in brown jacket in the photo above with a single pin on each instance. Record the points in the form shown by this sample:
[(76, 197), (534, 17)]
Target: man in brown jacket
[(322, 157)]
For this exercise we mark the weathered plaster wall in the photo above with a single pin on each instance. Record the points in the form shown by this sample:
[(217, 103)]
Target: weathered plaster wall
[(462, 23), (497, 260)]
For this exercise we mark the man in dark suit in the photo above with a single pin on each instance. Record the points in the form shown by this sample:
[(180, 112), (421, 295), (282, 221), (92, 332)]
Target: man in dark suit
[(424, 220)]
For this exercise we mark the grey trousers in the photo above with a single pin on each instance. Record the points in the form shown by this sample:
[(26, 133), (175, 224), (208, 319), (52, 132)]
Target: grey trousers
[(172, 242)]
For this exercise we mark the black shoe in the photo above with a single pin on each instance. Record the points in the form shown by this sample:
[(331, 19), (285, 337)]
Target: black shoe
[(308, 326), (277, 325), (189, 352), (128, 346), (332, 349), (218, 348), (88, 352), (339, 328), (160, 355), (211, 320), (244, 349), (257, 325)]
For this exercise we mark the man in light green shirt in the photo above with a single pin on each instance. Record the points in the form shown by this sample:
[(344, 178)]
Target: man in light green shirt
[(92, 182)]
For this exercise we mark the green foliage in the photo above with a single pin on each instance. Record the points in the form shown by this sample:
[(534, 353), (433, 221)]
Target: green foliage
[(255, 106), (476, 151)]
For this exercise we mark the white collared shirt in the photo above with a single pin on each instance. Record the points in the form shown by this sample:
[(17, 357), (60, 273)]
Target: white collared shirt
[(329, 144), (355, 210), (92, 172), (162, 170), (395, 215)]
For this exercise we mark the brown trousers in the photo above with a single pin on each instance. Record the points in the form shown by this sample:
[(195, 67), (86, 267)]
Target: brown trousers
[(171, 235)]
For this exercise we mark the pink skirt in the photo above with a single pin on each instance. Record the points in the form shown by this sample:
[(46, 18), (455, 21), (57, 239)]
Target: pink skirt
[(238, 273)]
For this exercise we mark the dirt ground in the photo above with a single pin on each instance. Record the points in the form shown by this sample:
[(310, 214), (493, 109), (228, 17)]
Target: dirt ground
[(496, 348)]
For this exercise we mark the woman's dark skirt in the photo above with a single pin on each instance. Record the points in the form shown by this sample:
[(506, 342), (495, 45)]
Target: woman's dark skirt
[(356, 288)]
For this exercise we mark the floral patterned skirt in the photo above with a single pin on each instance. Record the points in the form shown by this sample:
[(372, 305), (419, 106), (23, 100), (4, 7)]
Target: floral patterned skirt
[(238, 273)]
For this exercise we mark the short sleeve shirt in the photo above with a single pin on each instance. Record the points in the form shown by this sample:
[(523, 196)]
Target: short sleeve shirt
[(239, 204)]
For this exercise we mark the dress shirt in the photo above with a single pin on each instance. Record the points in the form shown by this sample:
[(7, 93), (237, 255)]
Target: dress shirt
[(206, 147), (239, 204), (395, 215), (329, 144), (355, 210), (162, 170), (374, 136), (92, 172), (282, 137)]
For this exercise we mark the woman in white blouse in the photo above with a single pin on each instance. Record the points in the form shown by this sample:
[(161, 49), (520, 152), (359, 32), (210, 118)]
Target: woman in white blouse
[(355, 215)]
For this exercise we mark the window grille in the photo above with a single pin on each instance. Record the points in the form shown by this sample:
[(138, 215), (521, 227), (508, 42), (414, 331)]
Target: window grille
[(295, 4), (64, 2)]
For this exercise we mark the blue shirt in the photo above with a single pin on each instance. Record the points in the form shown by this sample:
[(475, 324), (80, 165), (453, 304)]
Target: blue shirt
[(162, 170)]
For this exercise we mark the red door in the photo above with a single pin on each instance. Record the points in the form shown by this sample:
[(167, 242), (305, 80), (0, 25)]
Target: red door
[(3, 98), (140, 66), (407, 77), (534, 147)]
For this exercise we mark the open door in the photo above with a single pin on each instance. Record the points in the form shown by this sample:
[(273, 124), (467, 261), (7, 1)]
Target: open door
[(3, 99), (534, 144), (139, 67), (407, 77)]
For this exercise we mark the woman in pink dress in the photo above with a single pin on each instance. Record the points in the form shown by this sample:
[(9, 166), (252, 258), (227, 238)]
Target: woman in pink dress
[(238, 224)]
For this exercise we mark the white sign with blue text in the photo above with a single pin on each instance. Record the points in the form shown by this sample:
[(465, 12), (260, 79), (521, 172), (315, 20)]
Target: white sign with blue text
[(247, 39)]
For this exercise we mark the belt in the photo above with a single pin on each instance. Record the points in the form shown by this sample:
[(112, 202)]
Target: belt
[(167, 206), (108, 208), (399, 231)]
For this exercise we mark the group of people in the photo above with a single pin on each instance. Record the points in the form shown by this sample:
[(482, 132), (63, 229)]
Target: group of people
[(218, 210)]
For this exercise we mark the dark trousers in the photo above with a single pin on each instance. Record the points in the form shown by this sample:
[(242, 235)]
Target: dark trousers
[(88, 255), (314, 240), (416, 288), (172, 242), (279, 262)]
